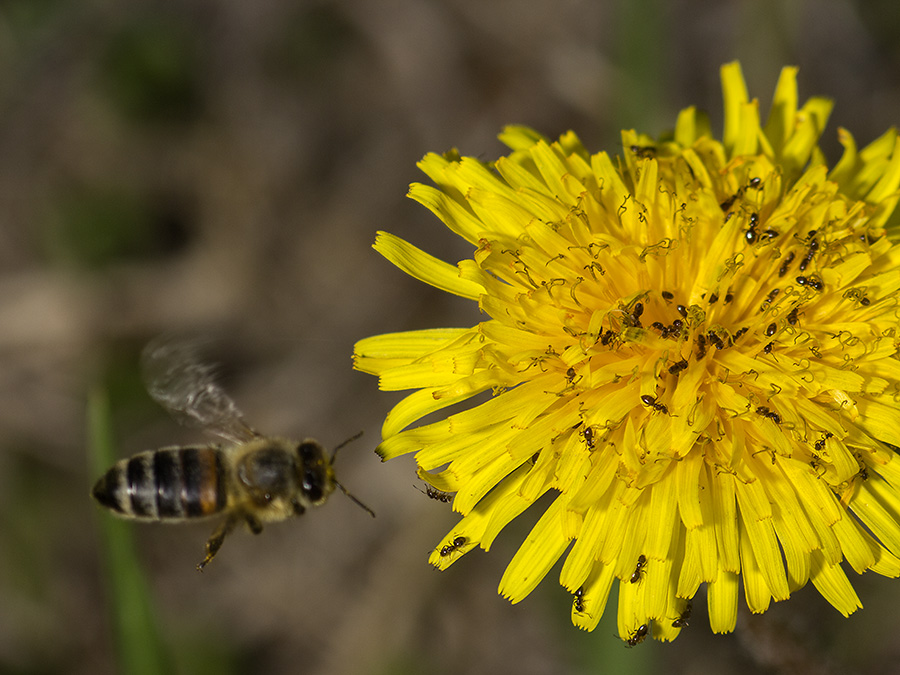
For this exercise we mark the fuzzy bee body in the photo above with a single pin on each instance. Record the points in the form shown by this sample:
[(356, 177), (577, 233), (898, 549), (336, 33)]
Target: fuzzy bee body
[(268, 479), (254, 479), (168, 484)]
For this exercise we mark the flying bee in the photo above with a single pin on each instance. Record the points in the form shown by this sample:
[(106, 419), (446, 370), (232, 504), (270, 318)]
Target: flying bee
[(253, 479)]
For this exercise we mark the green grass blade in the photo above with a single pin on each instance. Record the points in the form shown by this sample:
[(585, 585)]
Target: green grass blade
[(137, 638)]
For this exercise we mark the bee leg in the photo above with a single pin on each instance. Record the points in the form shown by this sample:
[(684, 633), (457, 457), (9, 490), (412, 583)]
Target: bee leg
[(214, 543), (298, 507), (253, 523)]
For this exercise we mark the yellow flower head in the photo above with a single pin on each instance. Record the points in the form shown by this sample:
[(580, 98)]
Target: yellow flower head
[(693, 347)]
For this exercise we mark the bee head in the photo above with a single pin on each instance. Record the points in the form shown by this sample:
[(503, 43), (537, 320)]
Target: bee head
[(316, 474)]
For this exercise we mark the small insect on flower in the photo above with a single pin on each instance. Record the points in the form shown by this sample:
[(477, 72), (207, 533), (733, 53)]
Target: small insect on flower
[(578, 602), (638, 636), (765, 412), (684, 617), (725, 334), (820, 444), (785, 266), (770, 298), (651, 402), (437, 495), (255, 479), (588, 434), (638, 573), (644, 151), (453, 546), (701, 346), (813, 247)]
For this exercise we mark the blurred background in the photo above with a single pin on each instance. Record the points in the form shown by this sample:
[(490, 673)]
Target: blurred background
[(219, 168)]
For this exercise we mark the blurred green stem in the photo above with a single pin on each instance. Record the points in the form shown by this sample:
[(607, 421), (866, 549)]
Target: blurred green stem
[(136, 635)]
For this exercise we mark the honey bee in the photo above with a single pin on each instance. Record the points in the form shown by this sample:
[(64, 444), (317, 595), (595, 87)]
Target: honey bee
[(253, 479)]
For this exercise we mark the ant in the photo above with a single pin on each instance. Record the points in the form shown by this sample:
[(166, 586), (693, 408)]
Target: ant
[(455, 545), (578, 603), (638, 636), (813, 247), (652, 402), (684, 617), (638, 573), (436, 494), (765, 412), (588, 434), (701, 346), (643, 151), (820, 444), (786, 264)]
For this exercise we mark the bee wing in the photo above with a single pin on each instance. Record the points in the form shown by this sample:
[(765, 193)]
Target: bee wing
[(186, 386)]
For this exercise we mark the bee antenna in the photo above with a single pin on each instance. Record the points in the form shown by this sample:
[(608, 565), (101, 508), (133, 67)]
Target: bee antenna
[(341, 445), (344, 490)]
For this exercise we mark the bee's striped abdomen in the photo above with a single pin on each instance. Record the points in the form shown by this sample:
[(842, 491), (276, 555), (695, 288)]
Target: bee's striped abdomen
[(170, 483)]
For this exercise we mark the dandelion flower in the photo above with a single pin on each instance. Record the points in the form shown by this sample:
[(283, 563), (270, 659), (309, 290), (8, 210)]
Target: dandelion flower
[(693, 347)]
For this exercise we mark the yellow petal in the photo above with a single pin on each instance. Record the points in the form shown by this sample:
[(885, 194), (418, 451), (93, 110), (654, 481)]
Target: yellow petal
[(424, 267)]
